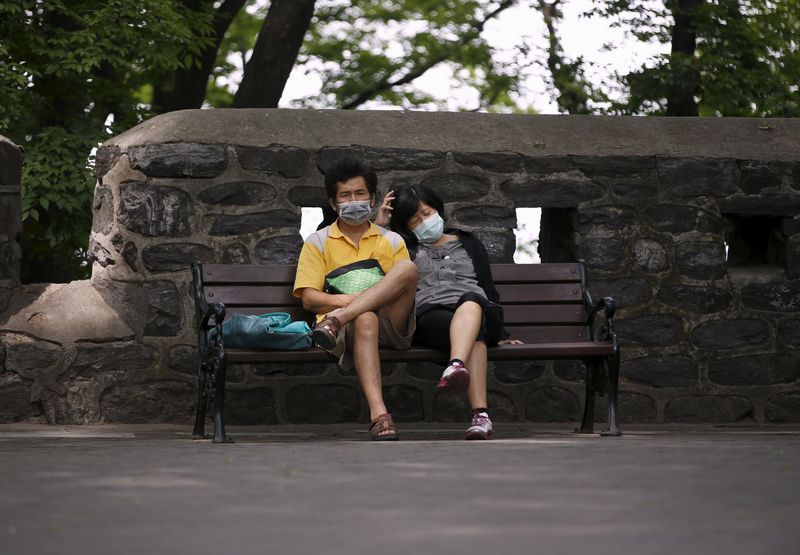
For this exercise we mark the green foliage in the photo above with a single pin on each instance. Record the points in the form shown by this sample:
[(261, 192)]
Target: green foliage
[(373, 50), (67, 68), (572, 91), (746, 61), (56, 199)]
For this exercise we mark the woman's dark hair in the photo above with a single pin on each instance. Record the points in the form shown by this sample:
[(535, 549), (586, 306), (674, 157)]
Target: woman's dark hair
[(405, 205), (346, 169)]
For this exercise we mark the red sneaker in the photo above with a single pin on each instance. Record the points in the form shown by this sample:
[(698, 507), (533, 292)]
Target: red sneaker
[(481, 427), (455, 378)]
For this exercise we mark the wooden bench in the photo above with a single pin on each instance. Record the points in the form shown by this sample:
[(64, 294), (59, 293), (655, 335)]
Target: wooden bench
[(548, 306)]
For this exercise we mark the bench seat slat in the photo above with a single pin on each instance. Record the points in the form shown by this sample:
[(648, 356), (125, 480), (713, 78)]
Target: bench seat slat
[(514, 314), (544, 351), (548, 334)]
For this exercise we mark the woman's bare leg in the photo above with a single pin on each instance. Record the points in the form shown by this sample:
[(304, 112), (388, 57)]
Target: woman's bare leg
[(464, 330), (477, 364)]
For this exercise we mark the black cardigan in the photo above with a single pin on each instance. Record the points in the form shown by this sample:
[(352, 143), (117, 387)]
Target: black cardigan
[(480, 258)]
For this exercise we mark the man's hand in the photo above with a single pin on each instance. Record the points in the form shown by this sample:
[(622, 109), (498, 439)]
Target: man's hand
[(323, 303), (509, 342), (344, 300), (385, 211)]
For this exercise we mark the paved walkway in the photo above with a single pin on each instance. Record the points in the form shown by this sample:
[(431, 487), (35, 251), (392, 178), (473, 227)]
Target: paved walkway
[(288, 490)]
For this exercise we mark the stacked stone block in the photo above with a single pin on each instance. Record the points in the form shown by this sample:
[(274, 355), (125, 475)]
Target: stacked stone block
[(702, 341)]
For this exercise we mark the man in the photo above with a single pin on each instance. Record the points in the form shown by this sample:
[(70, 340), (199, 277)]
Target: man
[(352, 326)]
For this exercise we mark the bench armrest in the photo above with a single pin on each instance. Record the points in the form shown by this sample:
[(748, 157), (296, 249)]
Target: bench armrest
[(215, 311), (205, 311), (605, 308)]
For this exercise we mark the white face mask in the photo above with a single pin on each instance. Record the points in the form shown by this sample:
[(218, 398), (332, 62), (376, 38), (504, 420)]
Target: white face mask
[(430, 230), (355, 213)]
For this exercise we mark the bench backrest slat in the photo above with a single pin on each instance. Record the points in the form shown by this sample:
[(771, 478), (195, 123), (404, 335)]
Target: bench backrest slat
[(284, 273), (533, 273), (248, 273), (262, 294), (296, 312), (544, 314), (540, 293), (251, 294)]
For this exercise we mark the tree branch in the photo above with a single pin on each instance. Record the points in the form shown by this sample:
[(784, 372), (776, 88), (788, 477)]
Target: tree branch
[(415, 72), (572, 96)]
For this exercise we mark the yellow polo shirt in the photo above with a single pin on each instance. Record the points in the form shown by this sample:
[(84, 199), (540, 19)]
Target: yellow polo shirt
[(328, 249)]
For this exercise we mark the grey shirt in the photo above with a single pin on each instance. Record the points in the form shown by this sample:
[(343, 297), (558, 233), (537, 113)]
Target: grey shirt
[(445, 273)]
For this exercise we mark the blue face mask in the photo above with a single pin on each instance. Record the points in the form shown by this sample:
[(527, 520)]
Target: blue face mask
[(430, 230)]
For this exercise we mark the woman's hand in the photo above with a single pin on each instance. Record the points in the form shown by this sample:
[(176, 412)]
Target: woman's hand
[(509, 342), (385, 210)]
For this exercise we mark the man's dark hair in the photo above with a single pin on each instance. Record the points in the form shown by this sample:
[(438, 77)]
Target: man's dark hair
[(347, 168)]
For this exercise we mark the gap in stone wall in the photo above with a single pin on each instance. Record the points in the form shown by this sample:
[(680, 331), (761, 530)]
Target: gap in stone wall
[(557, 235), (310, 218), (754, 241), (529, 222)]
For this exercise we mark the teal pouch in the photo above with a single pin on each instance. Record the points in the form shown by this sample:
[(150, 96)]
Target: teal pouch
[(274, 330)]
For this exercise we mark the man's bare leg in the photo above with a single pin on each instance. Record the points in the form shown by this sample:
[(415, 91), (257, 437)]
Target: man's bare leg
[(477, 364), (394, 293), (364, 346)]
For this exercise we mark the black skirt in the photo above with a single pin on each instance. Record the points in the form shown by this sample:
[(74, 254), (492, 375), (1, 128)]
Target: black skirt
[(433, 322)]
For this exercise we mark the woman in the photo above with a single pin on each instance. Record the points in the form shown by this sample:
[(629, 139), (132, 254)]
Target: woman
[(457, 303)]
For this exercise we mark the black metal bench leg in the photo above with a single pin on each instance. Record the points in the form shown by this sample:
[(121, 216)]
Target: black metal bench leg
[(587, 423), (219, 405), (199, 431), (613, 389)]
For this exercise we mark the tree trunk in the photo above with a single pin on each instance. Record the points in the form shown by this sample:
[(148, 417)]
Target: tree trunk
[(187, 87), (685, 80), (275, 54)]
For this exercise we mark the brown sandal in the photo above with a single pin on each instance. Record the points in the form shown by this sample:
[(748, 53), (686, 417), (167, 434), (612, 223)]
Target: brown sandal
[(383, 423), (326, 338)]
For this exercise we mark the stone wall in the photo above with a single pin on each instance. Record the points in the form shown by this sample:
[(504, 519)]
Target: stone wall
[(650, 203)]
